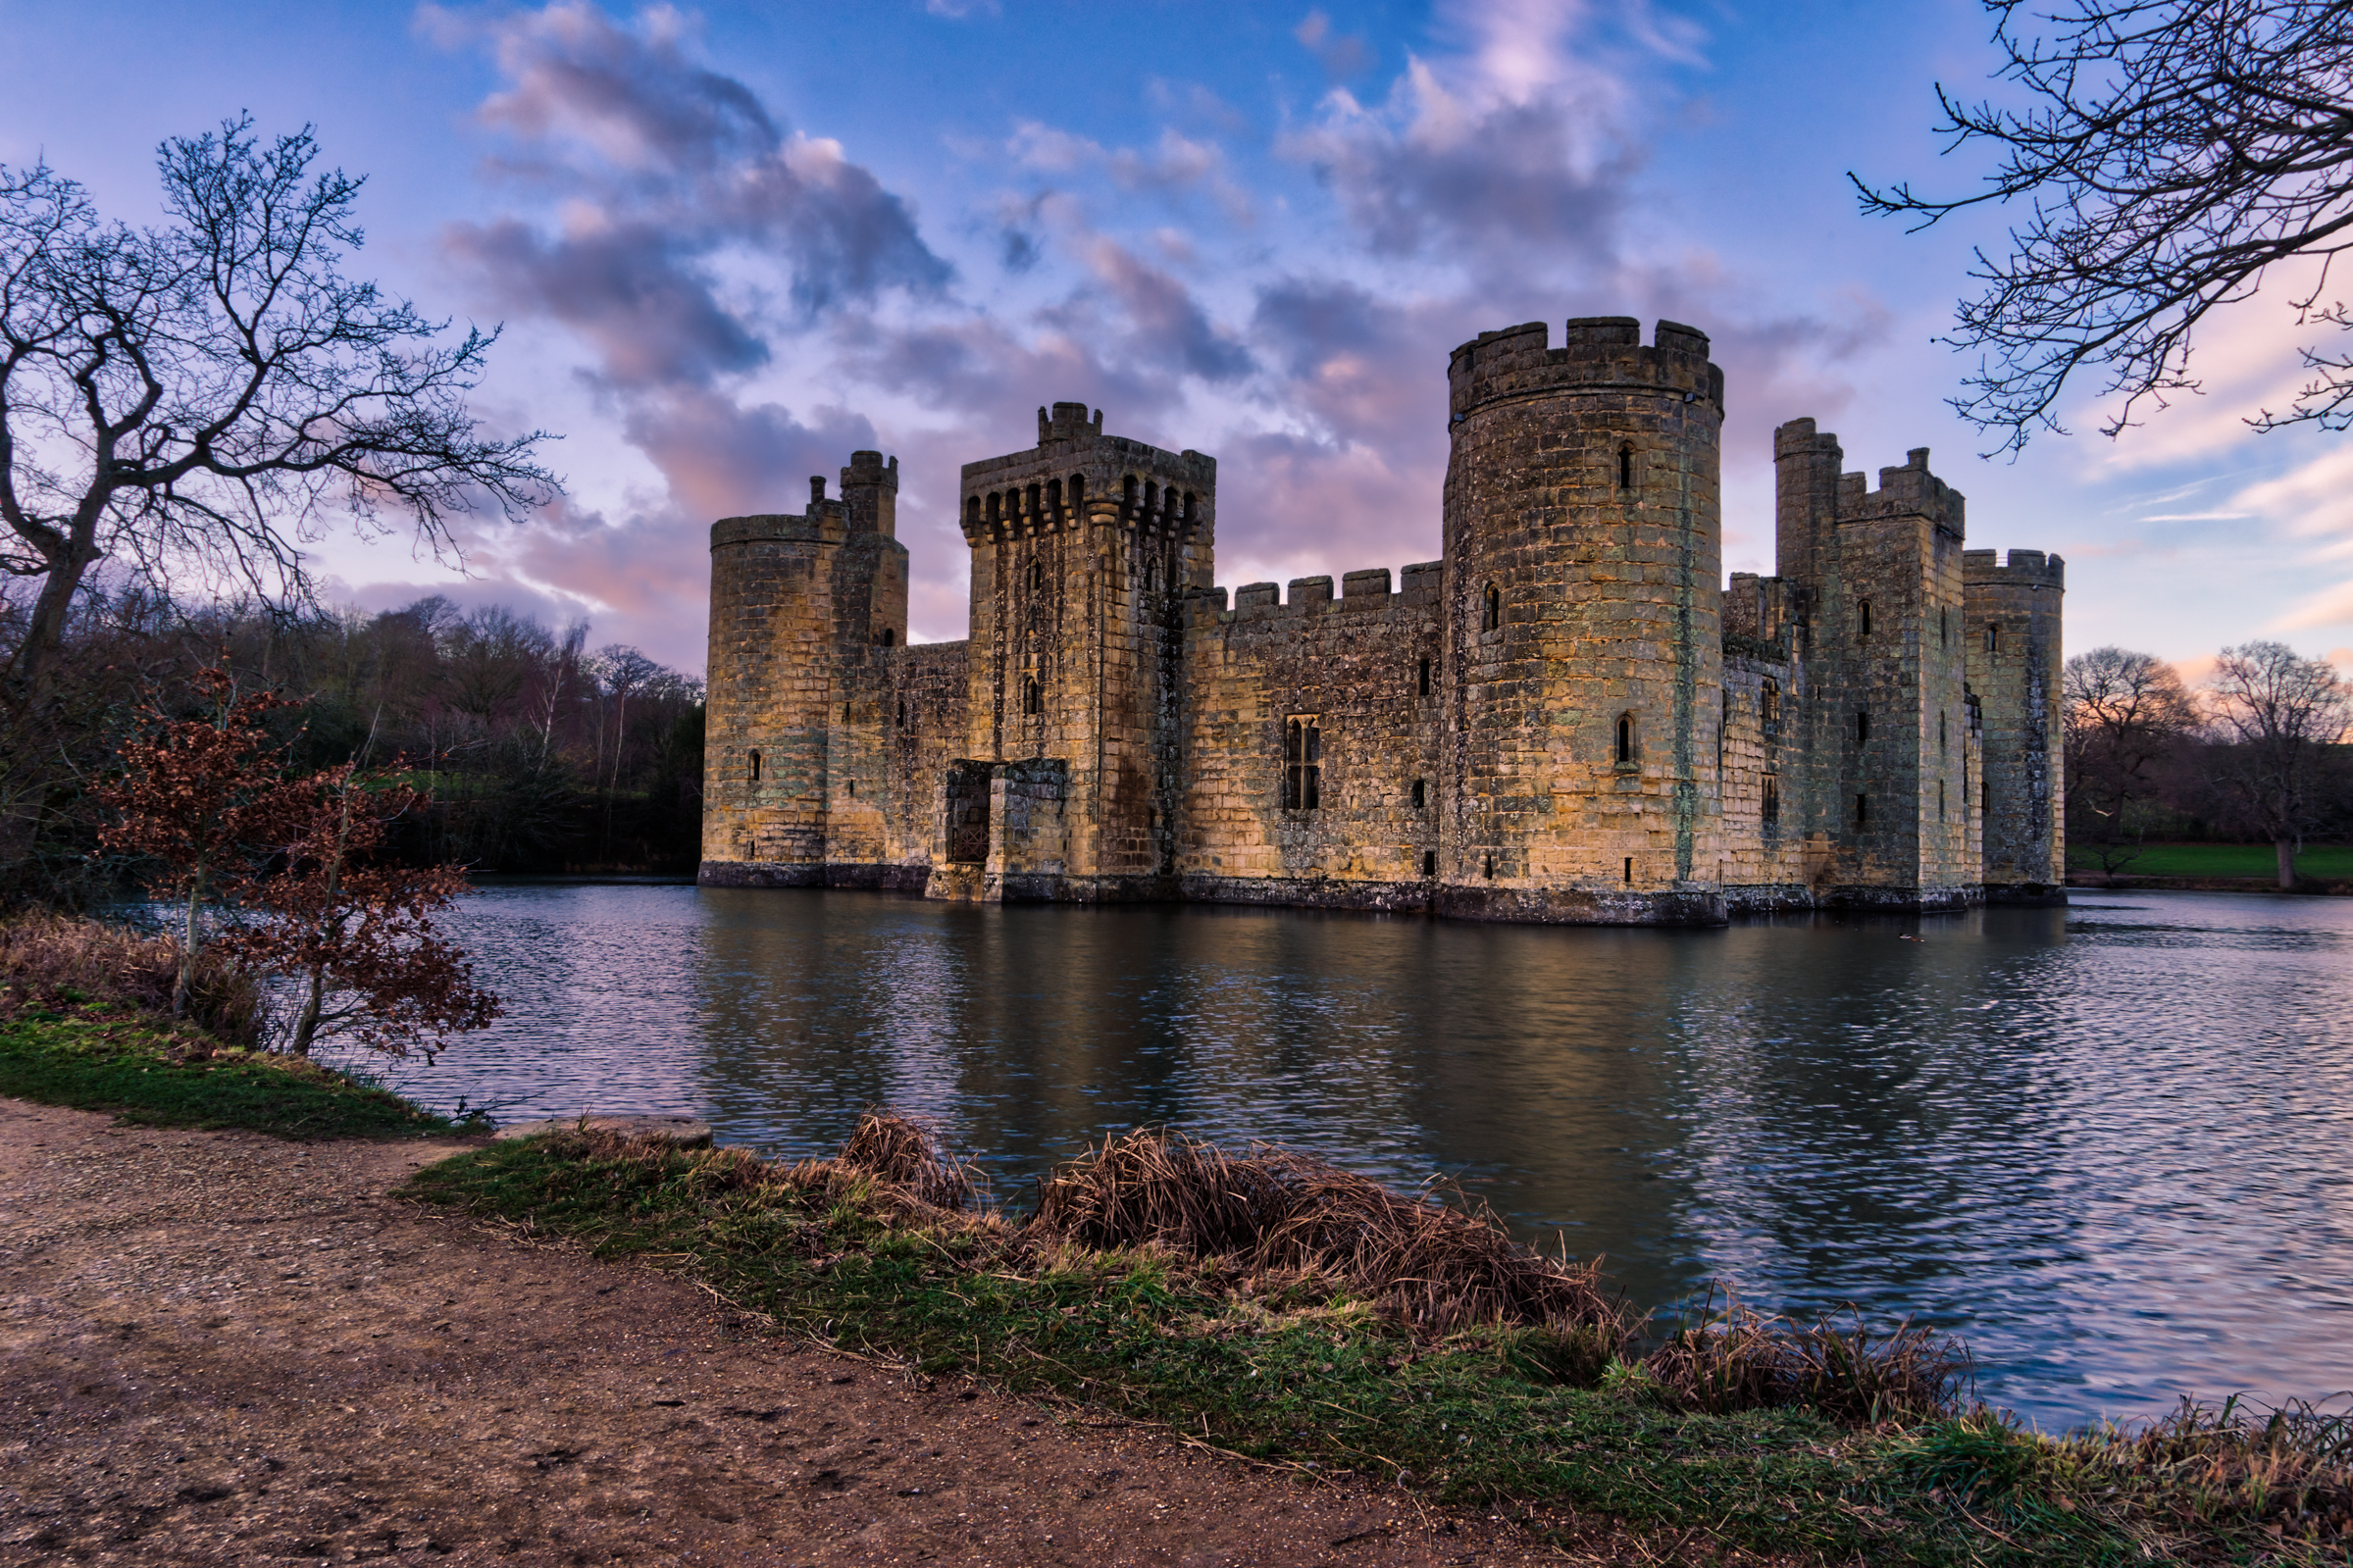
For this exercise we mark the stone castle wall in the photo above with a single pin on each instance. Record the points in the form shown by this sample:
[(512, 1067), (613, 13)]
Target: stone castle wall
[(1309, 723), (1569, 717)]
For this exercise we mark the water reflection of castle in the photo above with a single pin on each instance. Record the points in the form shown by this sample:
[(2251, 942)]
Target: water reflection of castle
[(1567, 718)]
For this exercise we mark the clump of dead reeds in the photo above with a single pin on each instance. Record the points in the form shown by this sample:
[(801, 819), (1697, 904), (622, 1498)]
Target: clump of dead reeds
[(57, 960), (1436, 1268), (1730, 1357), (907, 1152)]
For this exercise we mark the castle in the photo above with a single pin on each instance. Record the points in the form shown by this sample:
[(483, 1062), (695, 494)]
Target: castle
[(1569, 717)]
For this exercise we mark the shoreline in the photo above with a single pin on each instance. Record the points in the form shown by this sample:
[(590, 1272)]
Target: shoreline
[(1300, 1368), (2126, 881)]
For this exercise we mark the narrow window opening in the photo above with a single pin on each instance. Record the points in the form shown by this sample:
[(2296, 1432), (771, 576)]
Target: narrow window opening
[(890, 637), (1302, 763), (853, 790), (1769, 800), (1151, 498), (1037, 576), (1940, 731), (1940, 800), (902, 713), (1984, 795), (972, 510), (1944, 632), (1423, 678), (1031, 699), (1490, 868), (1863, 811), (1863, 728), (1625, 738), (997, 502), (755, 766), (1625, 467), (1152, 577), (1033, 500), (1188, 512), (1078, 493), (1491, 619), (846, 713), (1867, 617), (1429, 862), (1993, 639), (1418, 794), (1127, 492), (1769, 703), (1629, 871)]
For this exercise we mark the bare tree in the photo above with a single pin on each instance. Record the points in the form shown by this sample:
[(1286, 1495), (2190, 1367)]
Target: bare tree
[(2125, 713), (2280, 714), (206, 396), (2173, 152)]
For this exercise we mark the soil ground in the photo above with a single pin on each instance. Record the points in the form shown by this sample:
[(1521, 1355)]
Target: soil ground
[(222, 1347)]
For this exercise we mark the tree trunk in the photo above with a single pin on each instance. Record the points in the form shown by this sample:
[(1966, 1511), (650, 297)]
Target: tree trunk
[(187, 949), (2287, 861), (306, 1023), (46, 632)]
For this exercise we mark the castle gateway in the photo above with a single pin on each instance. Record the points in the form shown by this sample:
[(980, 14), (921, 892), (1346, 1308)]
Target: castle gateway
[(1567, 718)]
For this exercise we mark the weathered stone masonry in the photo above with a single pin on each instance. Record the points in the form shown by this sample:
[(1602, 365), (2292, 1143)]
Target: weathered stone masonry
[(1569, 717)]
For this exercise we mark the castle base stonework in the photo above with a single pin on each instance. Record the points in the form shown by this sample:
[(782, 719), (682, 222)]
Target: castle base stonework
[(1570, 718)]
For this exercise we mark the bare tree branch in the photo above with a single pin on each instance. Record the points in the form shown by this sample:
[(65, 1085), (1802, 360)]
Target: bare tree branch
[(2174, 152), (211, 395)]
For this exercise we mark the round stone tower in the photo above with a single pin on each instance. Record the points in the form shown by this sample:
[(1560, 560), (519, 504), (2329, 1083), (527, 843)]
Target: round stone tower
[(1583, 638), (801, 605)]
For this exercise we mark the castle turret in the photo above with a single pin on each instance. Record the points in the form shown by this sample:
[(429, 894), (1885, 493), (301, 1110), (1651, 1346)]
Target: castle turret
[(1583, 640), (801, 604), (1806, 472), (2015, 670)]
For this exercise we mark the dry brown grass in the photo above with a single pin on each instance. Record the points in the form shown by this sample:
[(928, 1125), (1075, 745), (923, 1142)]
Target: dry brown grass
[(2293, 1463), (1733, 1358), (1289, 1225), (1438, 1270), (56, 960), (907, 1152)]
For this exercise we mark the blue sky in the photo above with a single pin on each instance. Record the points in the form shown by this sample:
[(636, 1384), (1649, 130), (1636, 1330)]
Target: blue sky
[(730, 244)]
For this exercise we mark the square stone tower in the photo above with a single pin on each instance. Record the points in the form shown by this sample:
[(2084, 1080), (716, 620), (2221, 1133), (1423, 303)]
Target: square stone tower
[(1083, 548)]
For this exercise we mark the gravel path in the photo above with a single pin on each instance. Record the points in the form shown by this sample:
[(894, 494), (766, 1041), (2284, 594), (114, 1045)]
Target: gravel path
[(224, 1348)]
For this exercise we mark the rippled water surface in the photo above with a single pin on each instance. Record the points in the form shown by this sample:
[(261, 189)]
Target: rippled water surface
[(2108, 1144)]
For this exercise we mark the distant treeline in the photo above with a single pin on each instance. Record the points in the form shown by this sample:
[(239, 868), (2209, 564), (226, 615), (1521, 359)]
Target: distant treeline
[(540, 754), (2257, 754)]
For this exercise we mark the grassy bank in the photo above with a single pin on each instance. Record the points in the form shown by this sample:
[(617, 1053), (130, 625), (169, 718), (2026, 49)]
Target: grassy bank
[(103, 1057), (82, 1024), (2319, 862), (1279, 1311)]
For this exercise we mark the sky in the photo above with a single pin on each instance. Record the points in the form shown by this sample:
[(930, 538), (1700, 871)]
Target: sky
[(728, 245)]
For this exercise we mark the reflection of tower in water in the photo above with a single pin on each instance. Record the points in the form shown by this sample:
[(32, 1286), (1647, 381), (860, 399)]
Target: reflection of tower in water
[(1543, 1074)]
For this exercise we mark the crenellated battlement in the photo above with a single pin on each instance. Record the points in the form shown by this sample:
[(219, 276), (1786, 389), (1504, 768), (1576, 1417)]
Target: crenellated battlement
[(824, 522), (2026, 569), (1596, 352), (1076, 476), (1361, 593), (1908, 490)]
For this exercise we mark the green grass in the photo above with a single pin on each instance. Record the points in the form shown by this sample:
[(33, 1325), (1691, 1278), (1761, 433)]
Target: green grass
[(100, 1057), (1293, 1373), (2322, 862)]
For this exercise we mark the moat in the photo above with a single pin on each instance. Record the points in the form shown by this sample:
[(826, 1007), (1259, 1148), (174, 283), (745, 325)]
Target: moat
[(2108, 1144)]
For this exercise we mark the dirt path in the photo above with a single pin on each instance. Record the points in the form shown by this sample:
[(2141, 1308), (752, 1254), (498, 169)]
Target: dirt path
[(223, 1349)]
